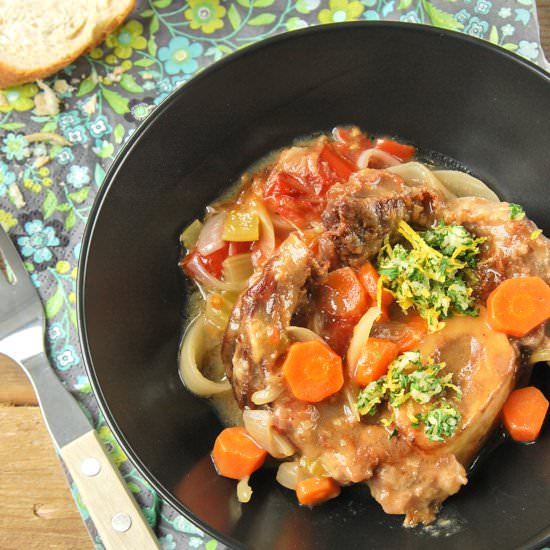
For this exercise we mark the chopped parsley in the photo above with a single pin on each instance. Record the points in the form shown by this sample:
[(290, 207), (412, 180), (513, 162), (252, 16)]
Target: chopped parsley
[(440, 421), (516, 211), (431, 275), (455, 241), (371, 396), (393, 433), (408, 378)]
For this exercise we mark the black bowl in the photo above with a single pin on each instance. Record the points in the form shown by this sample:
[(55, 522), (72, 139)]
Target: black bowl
[(445, 92)]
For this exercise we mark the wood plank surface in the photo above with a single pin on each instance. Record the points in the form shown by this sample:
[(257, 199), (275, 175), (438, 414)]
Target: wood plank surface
[(15, 388), (37, 511)]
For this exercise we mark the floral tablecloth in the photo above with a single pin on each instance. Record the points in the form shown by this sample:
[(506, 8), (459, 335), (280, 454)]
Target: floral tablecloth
[(47, 186)]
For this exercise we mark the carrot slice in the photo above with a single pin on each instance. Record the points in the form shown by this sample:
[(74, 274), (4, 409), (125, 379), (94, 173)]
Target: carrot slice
[(342, 295), (315, 490), (340, 166), (375, 360), (524, 412), (313, 371), (236, 454), (517, 306), (416, 329), (369, 279), (400, 150)]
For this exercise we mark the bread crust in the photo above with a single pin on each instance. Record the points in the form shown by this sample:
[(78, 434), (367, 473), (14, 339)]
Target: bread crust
[(12, 76)]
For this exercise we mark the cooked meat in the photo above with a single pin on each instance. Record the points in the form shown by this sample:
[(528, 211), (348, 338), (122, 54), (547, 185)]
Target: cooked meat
[(402, 478), (362, 212), (256, 333), (483, 364), (509, 250), (358, 216), (416, 485), (408, 474)]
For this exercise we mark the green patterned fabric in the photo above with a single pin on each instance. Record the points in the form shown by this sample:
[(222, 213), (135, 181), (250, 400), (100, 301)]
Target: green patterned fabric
[(47, 187)]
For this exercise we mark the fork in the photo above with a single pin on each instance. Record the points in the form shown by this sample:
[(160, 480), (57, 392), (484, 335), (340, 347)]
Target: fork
[(116, 515)]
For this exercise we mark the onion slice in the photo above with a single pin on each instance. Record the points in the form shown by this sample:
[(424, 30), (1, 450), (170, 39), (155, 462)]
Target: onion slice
[(267, 231), (244, 491), (237, 269), (416, 174), (350, 406), (464, 185), (302, 334), (364, 158), (206, 279), (210, 238), (540, 355), (258, 424), (289, 474), (282, 225), (361, 333), (191, 354), (267, 395)]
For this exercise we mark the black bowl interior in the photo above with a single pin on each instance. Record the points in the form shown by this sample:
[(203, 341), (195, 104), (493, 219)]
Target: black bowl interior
[(448, 93)]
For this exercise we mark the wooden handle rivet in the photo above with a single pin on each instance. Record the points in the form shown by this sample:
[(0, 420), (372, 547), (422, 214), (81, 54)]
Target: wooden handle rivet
[(90, 467), (121, 522)]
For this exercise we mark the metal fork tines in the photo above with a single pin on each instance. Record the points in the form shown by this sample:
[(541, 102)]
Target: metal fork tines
[(101, 486), (21, 313)]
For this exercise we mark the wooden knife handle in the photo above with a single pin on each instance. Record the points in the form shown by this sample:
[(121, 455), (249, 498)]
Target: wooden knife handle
[(117, 516)]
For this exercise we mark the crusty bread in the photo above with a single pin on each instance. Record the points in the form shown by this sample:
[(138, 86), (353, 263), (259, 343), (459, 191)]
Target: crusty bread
[(40, 37)]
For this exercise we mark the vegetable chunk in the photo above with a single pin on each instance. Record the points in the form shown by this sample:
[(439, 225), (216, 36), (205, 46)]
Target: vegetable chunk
[(313, 371), (523, 414), (517, 306), (342, 295), (374, 360), (315, 490), (236, 455)]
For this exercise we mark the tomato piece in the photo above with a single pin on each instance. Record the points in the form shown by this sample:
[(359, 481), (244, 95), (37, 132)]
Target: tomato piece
[(283, 184), (351, 136), (239, 247), (341, 167), (351, 142), (286, 196), (212, 263), (399, 150), (296, 187)]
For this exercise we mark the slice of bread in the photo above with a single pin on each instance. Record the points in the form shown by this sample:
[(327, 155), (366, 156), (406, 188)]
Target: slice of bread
[(40, 37)]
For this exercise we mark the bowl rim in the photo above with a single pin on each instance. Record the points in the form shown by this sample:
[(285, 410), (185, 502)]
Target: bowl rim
[(532, 543)]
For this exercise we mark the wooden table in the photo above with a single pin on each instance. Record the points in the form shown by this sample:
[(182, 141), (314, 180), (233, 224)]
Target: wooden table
[(37, 511)]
